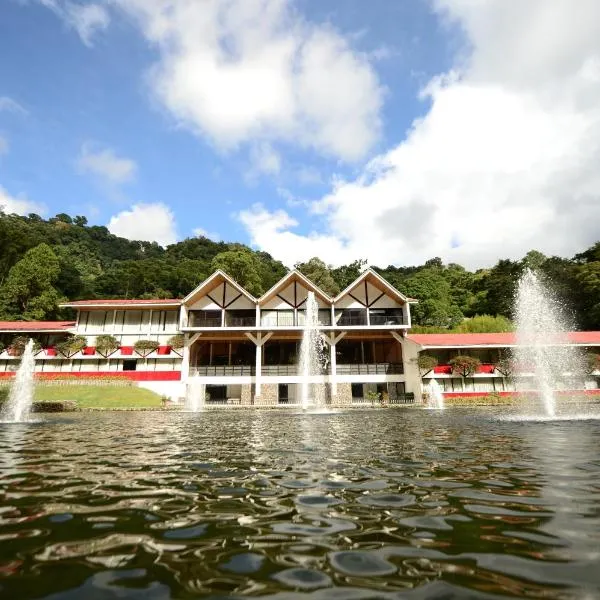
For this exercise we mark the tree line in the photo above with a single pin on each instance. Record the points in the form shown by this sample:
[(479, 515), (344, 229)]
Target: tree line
[(44, 262)]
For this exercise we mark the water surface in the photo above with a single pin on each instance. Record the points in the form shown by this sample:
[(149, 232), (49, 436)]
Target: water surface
[(361, 505)]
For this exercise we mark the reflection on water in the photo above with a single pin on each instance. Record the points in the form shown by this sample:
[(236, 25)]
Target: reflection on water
[(388, 504)]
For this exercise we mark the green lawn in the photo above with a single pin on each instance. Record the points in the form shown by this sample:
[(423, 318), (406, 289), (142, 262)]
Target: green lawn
[(99, 396)]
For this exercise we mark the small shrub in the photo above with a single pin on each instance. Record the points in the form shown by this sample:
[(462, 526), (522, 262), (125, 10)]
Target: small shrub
[(504, 364), (71, 345), (373, 396), (592, 362), (176, 341), (145, 347), (106, 345), (426, 363), (18, 344), (465, 365)]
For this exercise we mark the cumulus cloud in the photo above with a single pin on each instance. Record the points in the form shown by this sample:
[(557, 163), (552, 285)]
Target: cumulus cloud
[(105, 164), (20, 206), (264, 160), (86, 19), (148, 222), (238, 71), (505, 159)]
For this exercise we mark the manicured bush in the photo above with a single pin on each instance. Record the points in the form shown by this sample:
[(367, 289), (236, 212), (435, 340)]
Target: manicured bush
[(592, 362), (465, 365), (18, 343), (71, 345), (176, 341), (106, 345), (504, 364), (426, 363), (145, 347)]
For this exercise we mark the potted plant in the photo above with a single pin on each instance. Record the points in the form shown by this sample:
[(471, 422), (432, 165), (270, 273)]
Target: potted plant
[(145, 347), (18, 344), (176, 343), (426, 363), (71, 345), (464, 365), (106, 345)]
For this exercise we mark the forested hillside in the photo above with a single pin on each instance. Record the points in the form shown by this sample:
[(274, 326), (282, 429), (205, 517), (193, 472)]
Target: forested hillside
[(44, 262)]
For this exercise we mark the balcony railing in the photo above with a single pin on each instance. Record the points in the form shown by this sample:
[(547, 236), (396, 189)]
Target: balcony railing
[(371, 369), (386, 320), (222, 370), (351, 320), (406, 398), (196, 321), (240, 321)]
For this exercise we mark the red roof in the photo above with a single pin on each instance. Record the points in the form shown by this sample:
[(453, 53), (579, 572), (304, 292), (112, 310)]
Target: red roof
[(124, 302), (36, 325), (591, 338)]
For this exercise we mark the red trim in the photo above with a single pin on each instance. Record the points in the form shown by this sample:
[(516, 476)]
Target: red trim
[(591, 338), (486, 368), (505, 394), (131, 375), (89, 351), (50, 351), (126, 350), (443, 369), (162, 350)]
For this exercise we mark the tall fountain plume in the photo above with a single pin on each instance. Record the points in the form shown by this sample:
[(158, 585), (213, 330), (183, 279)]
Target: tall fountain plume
[(20, 397), (311, 357), (195, 397), (541, 332)]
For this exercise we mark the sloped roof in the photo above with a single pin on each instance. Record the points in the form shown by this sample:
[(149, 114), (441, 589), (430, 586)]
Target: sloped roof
[(35, 326), (123, 302), (217, 276), (435, 340), (370, 273), (283, 282)]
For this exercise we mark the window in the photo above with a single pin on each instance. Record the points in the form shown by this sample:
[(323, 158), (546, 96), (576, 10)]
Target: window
[(283, 393), (129, 365), (357, 390)]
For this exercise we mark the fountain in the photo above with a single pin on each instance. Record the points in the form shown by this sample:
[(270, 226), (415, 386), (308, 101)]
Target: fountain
[(436, 398), (541, 327), (195, 397), (20, 398), (312, 395)]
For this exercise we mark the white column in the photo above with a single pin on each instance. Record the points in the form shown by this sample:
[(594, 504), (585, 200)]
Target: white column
[(257, 371), (333, 361), (410, 357), (185, 361)]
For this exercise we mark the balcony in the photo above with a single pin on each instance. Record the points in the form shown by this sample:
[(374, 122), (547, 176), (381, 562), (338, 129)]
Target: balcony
[(351, 319), (222, 370), (204, 318), (240, 321), (371, 369), (391, 317)]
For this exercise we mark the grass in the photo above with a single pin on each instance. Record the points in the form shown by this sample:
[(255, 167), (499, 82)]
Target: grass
[(99, 396)]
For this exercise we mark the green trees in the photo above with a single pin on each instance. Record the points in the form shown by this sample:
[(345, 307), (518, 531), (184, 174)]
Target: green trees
[(242, 266), (484, 324), (28, 292), (320, 274)]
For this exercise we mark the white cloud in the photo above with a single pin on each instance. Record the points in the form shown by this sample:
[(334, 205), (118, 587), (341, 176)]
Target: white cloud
[(11, 105), (105, 164), (20, 206), (505, 160), (86, 19), (148, 222), (211, 235), (4, 145), (264, 160), (238, 71)]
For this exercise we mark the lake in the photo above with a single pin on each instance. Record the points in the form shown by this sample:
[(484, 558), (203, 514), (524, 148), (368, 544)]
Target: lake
[(374, 504)]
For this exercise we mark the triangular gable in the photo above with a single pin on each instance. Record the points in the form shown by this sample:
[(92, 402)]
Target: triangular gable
[(283, 283), (232, 289), (373, 281)]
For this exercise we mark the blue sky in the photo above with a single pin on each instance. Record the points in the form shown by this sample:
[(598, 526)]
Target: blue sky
[(382, 130)]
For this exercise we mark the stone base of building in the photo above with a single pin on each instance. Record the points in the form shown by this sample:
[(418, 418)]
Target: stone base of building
[(268, 395), (343, 396)]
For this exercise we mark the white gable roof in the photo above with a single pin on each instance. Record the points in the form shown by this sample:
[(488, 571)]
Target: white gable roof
[(214, 281)]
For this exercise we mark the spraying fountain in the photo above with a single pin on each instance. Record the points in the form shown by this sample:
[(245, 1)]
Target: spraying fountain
[(312, 394), (195, 397), (18, 406), (436, 398), (541, 333)]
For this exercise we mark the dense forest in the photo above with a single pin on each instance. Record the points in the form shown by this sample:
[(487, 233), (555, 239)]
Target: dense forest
[(44, 262)]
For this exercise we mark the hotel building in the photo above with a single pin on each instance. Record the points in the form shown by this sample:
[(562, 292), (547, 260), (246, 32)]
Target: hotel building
[(242, 350)]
